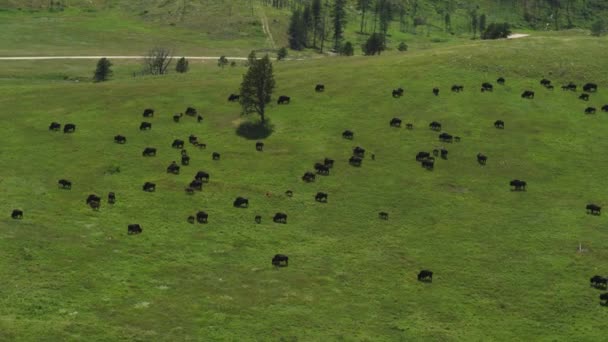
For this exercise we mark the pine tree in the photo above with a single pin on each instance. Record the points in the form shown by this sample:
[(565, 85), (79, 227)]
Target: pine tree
[(316, 20), (363, 6), (339, 21), (256, 88), (103, 70), (347, 49), (482, 23), (374, 45), (281, 54), (297, 31), (182, 65)]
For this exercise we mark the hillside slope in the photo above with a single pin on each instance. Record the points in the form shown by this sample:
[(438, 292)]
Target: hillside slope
[(507, 265)]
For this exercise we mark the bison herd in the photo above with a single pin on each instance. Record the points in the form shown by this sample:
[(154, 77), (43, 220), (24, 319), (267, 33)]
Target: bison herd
[(320, 168)]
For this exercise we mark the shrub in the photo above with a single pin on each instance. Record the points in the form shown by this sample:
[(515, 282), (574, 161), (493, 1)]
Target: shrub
[(599, 28), (281, 54), (402, 46), (495, 31), (374, 45), (347, 49)]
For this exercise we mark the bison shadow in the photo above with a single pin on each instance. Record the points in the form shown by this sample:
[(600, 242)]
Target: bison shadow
[(254, 130)]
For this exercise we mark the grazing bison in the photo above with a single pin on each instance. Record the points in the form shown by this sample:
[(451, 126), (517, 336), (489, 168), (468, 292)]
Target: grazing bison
[(328, 162), (149, 187), (259, 146), (550, 87), (409, 126), (518, 185), (383, 215), (120, 139), (190, 190), (457, 88), (584, 97), (148, 113), (322, 169), (590, 110), (280, 218), (425, 275), (196, 185), (321, 197), (604, 297), (193, 139), (355, 161), (319, 88), (444, 153), (173, 168), (545, 82), (605, 108), (149, 152), (258, 219), (395, 122), (65, 184), (280, 260), (202, 176), (590, 87), (134, 229), (428, 164), (202, 217), (593, 209), (486, 87), (501, 81), (359, 151), (308, 177), (145, 126), (233, 97), (177, 143), (398, 92), (111, 198), (17, 214), (215, 156), (436, 91), (499, 124), (435, 126), (191, 219), (598, 282), (200, 145), (422, 156), (435, 153), (69, 128), (199, 118), (177, 117), (241, 202), (54, 126), (289, 193), (93, 198), (185, 160), (191, 111), (283, 99), (528, 94), (445, 137), (570, 86), (348, 135), (481, 159)]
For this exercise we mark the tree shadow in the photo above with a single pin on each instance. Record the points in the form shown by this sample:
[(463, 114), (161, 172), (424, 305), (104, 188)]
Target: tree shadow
[(254, 130)]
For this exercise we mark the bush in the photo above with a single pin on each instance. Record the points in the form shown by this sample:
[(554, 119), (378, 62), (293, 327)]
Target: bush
[(347, 49), (599, 28), (281, 54), (496, 31), (374, 45), (402, 47), (182, 65)]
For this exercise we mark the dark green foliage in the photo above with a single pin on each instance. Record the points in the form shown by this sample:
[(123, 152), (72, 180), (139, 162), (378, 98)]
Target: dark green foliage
[(482, 23), (281, 54), (316, 20), (251, 58), (222, 62), (257, 86), (347, 49), (233, 64), (103, 71), (338, 15), (599, 27), (402, 46), (297, 31), (363, 6), (374, 44), (182, 65), (496, 31)]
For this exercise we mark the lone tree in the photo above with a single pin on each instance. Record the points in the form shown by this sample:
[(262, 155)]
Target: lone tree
[(182, 65), (103, 71), (256, 89), (222, 62), (157, 61)]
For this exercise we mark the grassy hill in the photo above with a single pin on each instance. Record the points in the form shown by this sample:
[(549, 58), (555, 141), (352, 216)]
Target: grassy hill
[(506, 263)]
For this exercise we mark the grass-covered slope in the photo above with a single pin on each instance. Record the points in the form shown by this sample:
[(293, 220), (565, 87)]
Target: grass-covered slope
[(506, 263)]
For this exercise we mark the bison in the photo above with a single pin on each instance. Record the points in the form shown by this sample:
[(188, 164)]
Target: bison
[(528, 94), (593, 209), (145, 126), (436, 91), (425, 275), (65, 184), (283, 99), (54, 126), (445, 137), (499, 124), (280, 218), (348, 135), (435, 126), (398, 92), (233, 97), (149, 152), (321, 197), (280, 260), (319, 88), (120, 139), (501, 81), (308, 177), (69, 128), (148, 113), (590, 110), (481, 159), (241, 202), (202, 176), (202, 217), (177, 143), (395, 122), (355, 161), (590, 87), (17, 214), (259, 146), (134, 229), (518, 185)]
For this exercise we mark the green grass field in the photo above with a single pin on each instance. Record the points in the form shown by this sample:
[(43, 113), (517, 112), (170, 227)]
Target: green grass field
[(506, 263)]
